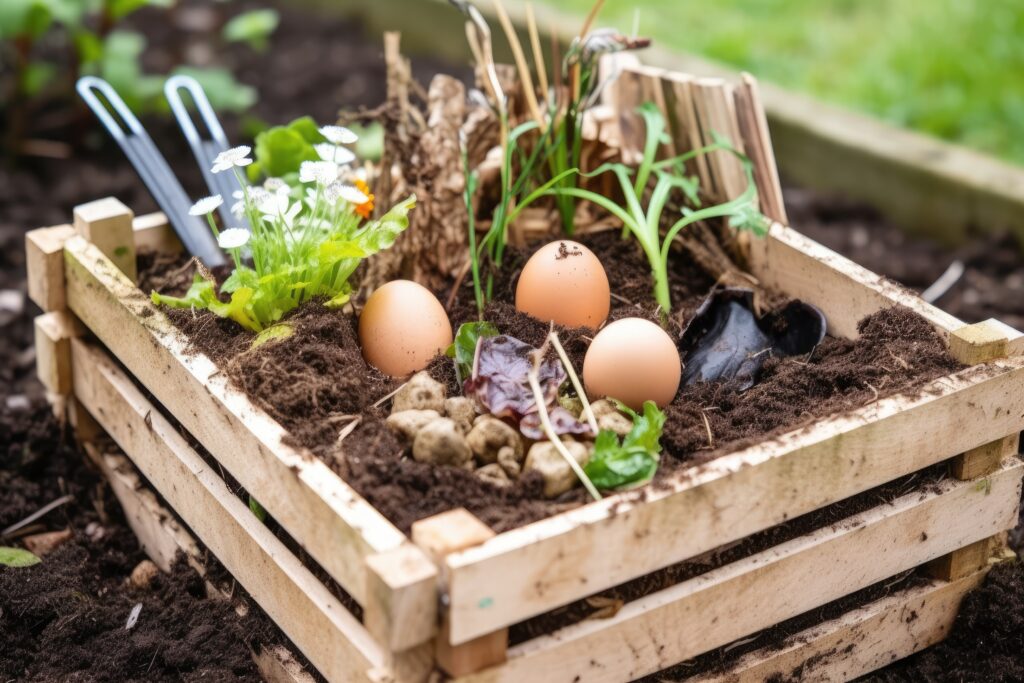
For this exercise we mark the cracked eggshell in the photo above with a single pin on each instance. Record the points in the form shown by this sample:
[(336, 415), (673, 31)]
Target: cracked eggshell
[(632, 360), (402, 327), (565, 282)]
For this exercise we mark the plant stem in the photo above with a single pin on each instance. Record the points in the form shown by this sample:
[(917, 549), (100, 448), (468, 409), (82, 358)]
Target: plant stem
[(549, 431), (574, 378)]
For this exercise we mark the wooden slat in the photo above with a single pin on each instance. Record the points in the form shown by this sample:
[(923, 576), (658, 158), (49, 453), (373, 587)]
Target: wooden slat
[(163, 540), (717, 114), (440, 536), (330, 520), (44, 265), (684, 126), (330, 637), (757, 144), (715, 609), (786, 261), (532, 569), (53, 333), (153, 232), (859, 641), (107, 223)]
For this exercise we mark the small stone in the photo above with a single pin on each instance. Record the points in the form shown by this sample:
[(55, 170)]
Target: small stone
[(440, 442), (12, 304), (609, 417), (558, 475), (489, 435), (421, 392), (462, 410), (45, 543), (494, 474), (143, 574), (510, 462), (95, 531), (408, 423), (18, 403)]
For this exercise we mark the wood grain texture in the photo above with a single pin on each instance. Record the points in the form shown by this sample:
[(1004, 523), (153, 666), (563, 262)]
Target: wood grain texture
[(859, 641), (336, 526), (53, 334), (786, 261), (44, 265), (714, 609), (309, 615), (535, 568), (107, 223)]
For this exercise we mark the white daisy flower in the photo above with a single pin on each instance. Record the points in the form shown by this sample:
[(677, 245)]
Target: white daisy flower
[(338, 155), (275, 185), (339, 135), (277, 207), (233, 238), (206, 205), (322, 172), (236, 156), (352, 194)]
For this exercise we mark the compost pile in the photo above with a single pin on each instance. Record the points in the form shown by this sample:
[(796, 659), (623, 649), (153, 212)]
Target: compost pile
[(40, 466)]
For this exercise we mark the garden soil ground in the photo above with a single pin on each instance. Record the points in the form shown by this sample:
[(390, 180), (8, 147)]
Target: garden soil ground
[(38, 466)]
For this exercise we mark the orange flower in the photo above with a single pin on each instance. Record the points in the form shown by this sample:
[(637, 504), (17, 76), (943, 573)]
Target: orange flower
[(366, 208)]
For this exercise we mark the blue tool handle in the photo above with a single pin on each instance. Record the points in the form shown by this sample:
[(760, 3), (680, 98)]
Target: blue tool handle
[(152, 168), (205, 150)]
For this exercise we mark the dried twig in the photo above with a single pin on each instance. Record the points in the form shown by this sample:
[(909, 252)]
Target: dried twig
[(574, 378), (53, 505), (381, 400)]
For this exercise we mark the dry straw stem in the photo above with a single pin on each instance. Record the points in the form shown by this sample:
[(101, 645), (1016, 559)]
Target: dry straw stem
[(574, 378), (521, 65), (545, 421), (538, 54)]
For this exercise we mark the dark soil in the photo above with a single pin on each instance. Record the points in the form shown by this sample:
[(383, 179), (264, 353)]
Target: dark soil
[(316, 382)]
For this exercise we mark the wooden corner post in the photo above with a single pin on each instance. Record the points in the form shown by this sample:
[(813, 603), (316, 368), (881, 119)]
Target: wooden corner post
[(107, 223), (972, 345), (442, 535)]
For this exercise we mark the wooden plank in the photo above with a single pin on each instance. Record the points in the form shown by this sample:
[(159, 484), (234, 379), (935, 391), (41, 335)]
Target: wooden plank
[(979, 343), (675, 624), (327, 633), (757, 143), (439, 536), (330, 520), (44, 263), (535, 568), (160, 535), (162, 538), (859, 641), (53, 334), (154, 233), (716, 112), (786, 261), (987, 458), (107, 223), (401, 598), (684, 125)]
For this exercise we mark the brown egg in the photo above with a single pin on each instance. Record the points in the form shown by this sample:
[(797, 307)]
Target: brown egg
[(402, 327), (632, 360), (565, 282)]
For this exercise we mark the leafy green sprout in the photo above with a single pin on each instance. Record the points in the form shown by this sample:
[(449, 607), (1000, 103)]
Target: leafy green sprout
[(644, 222), (309, 234), (253, 28)]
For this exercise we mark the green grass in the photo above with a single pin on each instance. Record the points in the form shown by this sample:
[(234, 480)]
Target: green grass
[(951, 68)]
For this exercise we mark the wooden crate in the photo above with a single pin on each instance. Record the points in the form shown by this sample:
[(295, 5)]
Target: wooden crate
[(445, 596)]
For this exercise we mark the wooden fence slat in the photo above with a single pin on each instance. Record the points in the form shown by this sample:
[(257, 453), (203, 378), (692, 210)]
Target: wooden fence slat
[(859, 641), (330, 520), (529, 570), (44, 265), (316, 622), (676, 624)]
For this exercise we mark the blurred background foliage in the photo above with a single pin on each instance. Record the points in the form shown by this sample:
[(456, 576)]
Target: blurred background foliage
[(950, 68)]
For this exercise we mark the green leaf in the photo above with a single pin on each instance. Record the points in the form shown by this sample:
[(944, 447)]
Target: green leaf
[(119, 9), (37, 75), (381, 233), (257, 509), (335, 250), (24, 18), (252, 27), (370, 145), (236, 309), (273, 333), (635, 460), (16, 557), (463, 349), (282, 149), (240, 277), (199, 295)]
